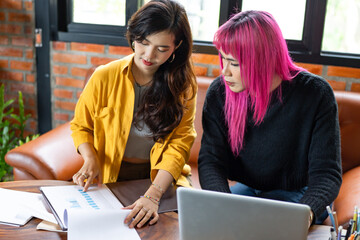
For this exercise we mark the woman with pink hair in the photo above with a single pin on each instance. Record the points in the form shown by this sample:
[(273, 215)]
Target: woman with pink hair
[(268, 124)]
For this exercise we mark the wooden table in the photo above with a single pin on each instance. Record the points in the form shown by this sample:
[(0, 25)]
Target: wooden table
[(166, 228)]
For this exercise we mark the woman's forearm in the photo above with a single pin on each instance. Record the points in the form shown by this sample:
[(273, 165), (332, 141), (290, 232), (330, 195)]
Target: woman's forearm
[(161, 182)]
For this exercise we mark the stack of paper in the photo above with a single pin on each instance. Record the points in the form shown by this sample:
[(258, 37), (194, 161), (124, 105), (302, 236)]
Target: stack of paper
[(17, 207)]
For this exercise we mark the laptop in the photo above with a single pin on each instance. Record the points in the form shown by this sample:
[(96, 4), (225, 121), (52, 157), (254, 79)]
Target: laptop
[(209, 215)]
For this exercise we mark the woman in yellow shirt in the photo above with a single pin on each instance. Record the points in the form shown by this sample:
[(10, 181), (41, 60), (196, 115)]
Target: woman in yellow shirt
[(135, 117)]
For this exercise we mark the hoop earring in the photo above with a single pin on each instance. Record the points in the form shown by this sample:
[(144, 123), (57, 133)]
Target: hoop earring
[(133, 45), (173, 57)]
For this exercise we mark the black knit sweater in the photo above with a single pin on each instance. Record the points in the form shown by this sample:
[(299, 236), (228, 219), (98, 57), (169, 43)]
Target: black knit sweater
[(296, 145)]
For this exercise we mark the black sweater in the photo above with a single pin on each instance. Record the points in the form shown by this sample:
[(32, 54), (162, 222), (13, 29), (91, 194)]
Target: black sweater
[(296, 145)]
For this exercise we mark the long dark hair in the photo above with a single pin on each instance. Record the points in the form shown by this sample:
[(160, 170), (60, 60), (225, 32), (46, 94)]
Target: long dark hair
[(174, 82)]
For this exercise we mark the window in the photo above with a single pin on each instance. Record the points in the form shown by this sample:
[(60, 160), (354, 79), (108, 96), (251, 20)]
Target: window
[(91, 21), (291, 22), (105, 12), (203, 18), (342, 27), (314, 33)]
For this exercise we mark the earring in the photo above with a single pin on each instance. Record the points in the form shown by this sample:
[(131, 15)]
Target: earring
[(173, 57), (133, 45)]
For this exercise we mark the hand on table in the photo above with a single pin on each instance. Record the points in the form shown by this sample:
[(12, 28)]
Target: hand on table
[(142, 210)]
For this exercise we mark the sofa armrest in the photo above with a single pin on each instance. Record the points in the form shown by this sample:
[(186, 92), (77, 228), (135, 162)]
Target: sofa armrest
[(50, 156)]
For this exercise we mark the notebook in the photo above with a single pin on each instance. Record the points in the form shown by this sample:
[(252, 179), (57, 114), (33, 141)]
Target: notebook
[(208, 215)]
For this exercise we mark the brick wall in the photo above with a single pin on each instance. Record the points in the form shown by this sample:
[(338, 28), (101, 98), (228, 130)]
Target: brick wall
[(70, 61), (17, 60)]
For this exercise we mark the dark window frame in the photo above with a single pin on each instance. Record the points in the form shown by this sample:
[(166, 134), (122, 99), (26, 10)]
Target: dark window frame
[(308, 50)]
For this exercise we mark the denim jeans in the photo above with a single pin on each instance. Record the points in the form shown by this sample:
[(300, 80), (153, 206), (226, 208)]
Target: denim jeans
[(282, 195)]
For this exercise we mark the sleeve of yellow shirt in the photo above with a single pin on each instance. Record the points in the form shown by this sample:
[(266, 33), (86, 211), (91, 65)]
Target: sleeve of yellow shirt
[(82, 126), (177, 147)]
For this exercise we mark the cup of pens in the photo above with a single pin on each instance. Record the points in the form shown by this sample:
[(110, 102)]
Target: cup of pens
[(353, 229)]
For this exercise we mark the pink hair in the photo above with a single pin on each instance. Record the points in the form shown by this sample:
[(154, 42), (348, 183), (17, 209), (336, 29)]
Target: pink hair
[(255, 40)]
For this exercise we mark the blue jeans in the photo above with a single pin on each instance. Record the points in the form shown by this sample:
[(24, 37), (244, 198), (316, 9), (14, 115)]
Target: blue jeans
[(282, 195)]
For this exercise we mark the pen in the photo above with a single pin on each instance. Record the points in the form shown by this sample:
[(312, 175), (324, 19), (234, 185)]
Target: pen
[(352, 236), (358, 222), (354, 227), (336, 222), (348, 232), (331, 216), (339, 233), (333, 233)]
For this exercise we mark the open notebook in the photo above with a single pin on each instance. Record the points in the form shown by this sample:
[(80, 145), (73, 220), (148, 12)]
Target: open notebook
[(208, 215)]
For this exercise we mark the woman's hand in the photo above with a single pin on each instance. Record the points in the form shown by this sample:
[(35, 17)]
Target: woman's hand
[(90, 169), (147, 206), (142, 210)]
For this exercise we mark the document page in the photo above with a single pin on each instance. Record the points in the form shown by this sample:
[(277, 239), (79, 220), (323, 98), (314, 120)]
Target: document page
[(95, 225), (87, 214), (18, 207)]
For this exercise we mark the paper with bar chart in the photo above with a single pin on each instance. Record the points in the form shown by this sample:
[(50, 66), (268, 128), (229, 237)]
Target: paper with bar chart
[(88, 215)]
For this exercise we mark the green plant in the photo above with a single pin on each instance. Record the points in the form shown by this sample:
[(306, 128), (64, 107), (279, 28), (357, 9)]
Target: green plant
[(12, 128)]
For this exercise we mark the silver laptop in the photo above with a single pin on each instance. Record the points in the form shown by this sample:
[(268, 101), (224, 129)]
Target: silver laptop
[(208, 215)]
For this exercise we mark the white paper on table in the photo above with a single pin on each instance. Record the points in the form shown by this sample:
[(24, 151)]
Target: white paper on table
[(68, 197), (18, 207), (13, 213), (94, 224)]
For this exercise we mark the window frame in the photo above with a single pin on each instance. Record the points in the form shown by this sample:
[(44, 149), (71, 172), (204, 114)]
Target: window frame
[(307, 50)]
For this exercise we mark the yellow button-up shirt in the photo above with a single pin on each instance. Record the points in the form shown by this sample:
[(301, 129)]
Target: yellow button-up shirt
[(103, 118)]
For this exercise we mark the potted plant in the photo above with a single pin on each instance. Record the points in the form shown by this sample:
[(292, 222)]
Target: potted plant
[(12, 128)]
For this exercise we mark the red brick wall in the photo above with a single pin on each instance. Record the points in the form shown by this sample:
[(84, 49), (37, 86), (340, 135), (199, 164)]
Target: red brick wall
[(70, 61), (17, 60)]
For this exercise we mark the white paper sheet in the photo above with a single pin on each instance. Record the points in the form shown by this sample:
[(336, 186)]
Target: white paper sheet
[(18, 207), (95, 214), (95, 224), (73, 197)]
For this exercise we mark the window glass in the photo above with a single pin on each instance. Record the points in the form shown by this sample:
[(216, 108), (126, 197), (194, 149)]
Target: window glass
[(342, 26), (288, 14), (203, 16), (105, 12)]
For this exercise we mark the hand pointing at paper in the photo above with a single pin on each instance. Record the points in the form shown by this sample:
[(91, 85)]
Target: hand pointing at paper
[(91, 168)]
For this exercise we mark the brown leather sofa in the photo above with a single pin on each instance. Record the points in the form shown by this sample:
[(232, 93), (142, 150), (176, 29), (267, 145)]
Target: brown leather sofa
[(53, 155)]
